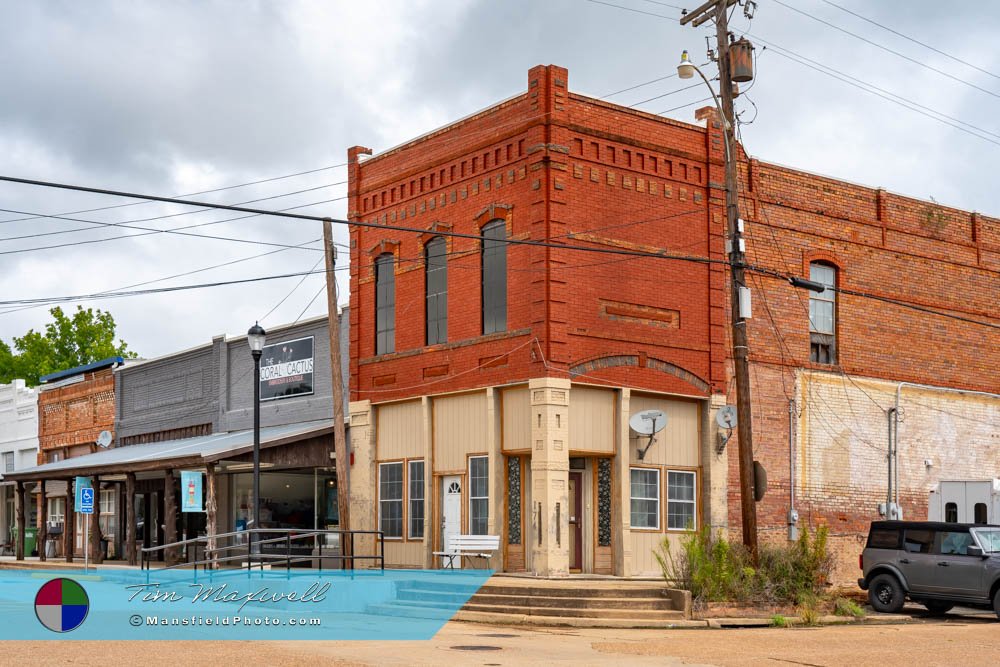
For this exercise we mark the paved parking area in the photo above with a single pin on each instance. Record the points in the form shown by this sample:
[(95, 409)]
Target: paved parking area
[(968, 639)]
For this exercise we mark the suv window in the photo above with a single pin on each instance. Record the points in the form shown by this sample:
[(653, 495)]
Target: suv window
[(919, 541), (954, 542), (883, 538)]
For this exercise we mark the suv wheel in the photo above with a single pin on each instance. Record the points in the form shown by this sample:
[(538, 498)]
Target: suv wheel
[(938, 606), (996, 602), (886, 595)]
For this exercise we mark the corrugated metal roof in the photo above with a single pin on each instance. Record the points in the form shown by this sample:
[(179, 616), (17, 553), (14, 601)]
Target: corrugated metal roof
[(206, 446), (103, 363)]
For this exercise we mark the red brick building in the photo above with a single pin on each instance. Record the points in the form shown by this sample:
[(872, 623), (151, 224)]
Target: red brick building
[(74, 407), (492, 380)]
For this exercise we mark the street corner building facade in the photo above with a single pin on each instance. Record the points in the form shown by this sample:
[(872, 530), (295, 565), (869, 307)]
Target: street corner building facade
[(179, 465), (18, 450), (495, 365)]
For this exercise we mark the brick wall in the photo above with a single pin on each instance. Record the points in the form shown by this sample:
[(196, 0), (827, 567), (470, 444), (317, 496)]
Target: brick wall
[(564, 168), (71, 417)]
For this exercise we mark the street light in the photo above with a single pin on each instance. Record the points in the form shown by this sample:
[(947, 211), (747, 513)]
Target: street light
[(255, 339), (737, 263)]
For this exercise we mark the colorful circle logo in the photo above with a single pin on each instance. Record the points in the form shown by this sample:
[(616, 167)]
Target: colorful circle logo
[(61, 605)]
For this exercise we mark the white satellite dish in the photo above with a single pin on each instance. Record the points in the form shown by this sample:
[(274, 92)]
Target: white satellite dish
[(104, 439), (648, 422), (726, 417)]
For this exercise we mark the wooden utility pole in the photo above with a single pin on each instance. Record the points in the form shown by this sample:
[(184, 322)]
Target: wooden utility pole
[(336, 377), (737, 262)]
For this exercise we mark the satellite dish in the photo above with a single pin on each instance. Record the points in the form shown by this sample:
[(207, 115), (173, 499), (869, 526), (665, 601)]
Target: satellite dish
[(104, 439), (648, 422), (726, 417)]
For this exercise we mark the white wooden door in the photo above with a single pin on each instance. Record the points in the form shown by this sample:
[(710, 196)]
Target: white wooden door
[(451, 510)]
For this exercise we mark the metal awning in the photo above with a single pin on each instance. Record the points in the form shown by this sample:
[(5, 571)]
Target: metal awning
[(195, 451)]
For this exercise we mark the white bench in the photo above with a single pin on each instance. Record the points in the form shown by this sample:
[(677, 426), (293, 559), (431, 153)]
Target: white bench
[(469, 546)]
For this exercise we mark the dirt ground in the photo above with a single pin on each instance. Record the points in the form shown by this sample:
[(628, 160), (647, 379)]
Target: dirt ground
[(968, 640)]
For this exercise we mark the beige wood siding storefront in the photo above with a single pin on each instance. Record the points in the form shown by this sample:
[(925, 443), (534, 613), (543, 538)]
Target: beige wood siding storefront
[(516, 424), (460, 429), (399, 431), (591, 420), (676, 447)]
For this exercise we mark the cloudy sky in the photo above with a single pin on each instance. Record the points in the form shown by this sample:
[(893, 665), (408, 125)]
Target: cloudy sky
[(183, 97)]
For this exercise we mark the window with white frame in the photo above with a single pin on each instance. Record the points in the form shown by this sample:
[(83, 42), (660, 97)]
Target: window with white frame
[(390, 499), (415, 518), (680, 500), (479, 495), (108, 501), (645, 505), (823, 315), (56, 510), (8, 461)]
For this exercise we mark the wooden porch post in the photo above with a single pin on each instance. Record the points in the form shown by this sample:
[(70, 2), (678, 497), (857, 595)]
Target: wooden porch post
[(69, 524), (211, 507), (169, 517), (43, 520), (95, 525), (19, 547), (130, 517)]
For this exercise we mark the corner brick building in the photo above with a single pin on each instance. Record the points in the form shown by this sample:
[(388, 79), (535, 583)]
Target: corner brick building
[(492, 381)]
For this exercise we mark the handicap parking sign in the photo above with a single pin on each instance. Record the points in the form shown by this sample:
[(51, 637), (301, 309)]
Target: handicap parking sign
[(86, 501)]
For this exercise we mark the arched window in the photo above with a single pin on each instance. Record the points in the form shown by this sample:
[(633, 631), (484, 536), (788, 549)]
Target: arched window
[(494, 277), (823, 315), (436, 256), (385, 304)]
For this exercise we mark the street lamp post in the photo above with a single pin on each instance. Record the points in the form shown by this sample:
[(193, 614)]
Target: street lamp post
[(255, 339), (686, 70)]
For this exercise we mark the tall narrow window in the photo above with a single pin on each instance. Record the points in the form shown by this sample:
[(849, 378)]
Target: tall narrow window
[(437, 291), (385, 305), (494, 277), (680, 501), (479, 495), (8, 461), (415, 518), (645, 483), (390, 499), (823, 315)]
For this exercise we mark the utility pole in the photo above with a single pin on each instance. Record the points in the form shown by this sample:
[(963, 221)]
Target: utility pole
[(737, 262), (339, 438)]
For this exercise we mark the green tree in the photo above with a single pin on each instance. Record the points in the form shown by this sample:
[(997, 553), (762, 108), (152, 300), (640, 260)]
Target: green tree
[(68, 341)]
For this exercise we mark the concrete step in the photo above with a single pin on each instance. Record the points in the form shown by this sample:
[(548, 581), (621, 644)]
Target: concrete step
[(512, 600), (574, 622), (571, 612), (581, 590), (408, 611)]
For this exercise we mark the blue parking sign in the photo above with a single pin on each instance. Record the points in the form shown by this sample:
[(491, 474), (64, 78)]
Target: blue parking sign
[(86, 501)]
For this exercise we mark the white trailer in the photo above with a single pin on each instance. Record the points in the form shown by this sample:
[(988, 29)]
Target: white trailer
[(965, 501)]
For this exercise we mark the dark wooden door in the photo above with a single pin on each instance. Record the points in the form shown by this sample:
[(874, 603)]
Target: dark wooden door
[(576, 522)]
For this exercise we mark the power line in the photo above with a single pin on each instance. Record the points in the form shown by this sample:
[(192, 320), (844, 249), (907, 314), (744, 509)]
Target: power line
[(915, 41), (192, 194), (157, 290), (177, 275), (879, 92), (150, 230), (129, 224), (631, 9), (888, 50), (292, 291), (358, 223)]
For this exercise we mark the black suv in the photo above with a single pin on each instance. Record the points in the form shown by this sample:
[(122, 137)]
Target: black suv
[(935, 564)]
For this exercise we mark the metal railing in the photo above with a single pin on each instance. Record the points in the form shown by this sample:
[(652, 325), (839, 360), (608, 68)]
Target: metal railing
[(271, 546)]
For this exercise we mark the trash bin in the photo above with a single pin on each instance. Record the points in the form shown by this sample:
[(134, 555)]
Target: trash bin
[(30, 541), (30, 535)]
